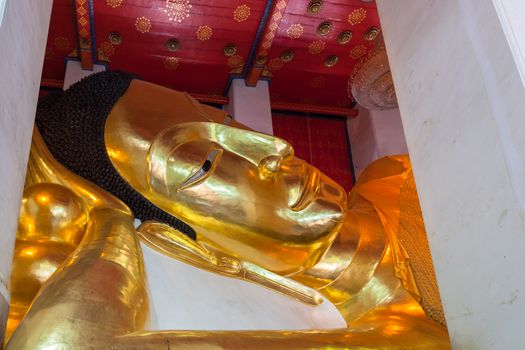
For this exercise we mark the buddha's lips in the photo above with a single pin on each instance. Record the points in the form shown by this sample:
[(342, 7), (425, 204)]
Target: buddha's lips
[(310, 189)]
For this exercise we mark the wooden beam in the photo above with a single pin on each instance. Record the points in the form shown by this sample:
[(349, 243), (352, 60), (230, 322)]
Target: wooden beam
[(264, 46), (224, 100), (83, 22), (319, 109), (52, 83), (215, 99)]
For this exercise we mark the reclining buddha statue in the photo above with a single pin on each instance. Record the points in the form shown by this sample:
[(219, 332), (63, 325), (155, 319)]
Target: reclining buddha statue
[(216, 195)]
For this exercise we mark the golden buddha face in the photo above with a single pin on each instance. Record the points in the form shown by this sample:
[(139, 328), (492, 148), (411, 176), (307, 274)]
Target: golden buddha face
[(243, 192), (244, 188)]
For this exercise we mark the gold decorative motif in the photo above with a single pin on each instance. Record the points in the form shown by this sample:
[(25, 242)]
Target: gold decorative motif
[(83, 21), (331, 61), (344, 37), (266, 73), (371, 34), (295, 31), (172, 45), (241, 13), (177, 10), (73, 53), (358, 52), (81, 11), (115, 38), (62, 43), (230, 50), (287, 56), (318, 82), (316, 47), (235, 61), (314, 7), (105, 51), (276, 64), (114, 3), (102, 57), (107, 48), (171, 63), (357, 16), (261, 59), (204, 33), (143, 24), (324, 28)]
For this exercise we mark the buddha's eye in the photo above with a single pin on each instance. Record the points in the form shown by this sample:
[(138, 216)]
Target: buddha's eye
[(204, 171), (207, 165)]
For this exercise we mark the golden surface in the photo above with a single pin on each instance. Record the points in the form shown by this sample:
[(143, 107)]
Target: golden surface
[(259, 203), (78, 279)]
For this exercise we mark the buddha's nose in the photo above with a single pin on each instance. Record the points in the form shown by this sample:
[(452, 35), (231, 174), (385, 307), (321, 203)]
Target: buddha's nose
[(270, 165)]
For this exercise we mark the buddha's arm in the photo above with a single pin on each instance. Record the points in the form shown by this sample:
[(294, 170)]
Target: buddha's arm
[(98, 292), (100, 283)]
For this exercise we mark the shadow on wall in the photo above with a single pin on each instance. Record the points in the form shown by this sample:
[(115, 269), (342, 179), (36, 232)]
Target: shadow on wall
[(375, 134)]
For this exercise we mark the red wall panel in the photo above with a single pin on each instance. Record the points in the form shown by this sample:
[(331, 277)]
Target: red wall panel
[(320, 140)]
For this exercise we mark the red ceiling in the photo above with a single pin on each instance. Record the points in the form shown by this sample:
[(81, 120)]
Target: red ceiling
[(199, 65)]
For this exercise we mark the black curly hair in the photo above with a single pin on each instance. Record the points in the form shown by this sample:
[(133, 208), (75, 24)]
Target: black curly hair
[(72, 125)]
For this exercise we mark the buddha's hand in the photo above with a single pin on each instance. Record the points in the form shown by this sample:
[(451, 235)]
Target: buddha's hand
[(169, 241)]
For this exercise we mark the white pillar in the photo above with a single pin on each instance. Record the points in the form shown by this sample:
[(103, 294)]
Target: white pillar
[(74, 72), (23, 36), (375, 134), (251, 105), (462, 103)]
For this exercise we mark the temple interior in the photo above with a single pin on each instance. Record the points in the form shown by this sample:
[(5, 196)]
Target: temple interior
[(411, 110)]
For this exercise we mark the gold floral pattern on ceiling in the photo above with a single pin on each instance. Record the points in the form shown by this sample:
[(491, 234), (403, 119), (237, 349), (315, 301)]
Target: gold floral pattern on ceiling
[(316, 47), (204, 33), (177, 10), (357, 16), (171, 63), (143, 24), (241, 13), (105, 51), (276, 64), (114, 3), (318, 82), (235, 61), (295, 31), (267, 73), (61, 43), (357, 52)]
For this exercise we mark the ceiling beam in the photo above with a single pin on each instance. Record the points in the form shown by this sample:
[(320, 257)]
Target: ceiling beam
[(264, 46), (318, 109), (224, 100), (84, 25)]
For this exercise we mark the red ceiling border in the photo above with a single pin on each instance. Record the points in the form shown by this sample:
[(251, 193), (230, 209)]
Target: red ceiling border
[(83, 12), (264, 46)]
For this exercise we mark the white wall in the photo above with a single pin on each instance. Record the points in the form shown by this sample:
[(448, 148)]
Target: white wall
[(462, 103), (375, 134), (23, 35), (75, 73), (251, 105)]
